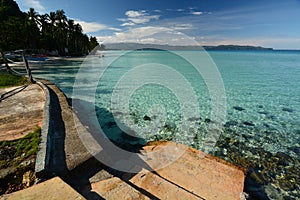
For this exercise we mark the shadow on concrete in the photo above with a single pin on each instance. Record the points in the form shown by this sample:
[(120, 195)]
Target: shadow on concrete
[(93, 167), (56, 162)]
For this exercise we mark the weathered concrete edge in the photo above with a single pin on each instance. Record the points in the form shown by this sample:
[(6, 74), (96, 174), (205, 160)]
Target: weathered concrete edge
[(42, 161)]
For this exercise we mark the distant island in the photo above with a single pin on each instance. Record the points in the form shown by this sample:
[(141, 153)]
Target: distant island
[(138, 46)]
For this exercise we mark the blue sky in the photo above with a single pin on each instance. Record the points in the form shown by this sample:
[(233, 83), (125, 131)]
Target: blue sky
[(269, 23)]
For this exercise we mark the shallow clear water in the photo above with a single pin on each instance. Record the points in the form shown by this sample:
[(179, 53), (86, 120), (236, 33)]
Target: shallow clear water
[(262, 105)]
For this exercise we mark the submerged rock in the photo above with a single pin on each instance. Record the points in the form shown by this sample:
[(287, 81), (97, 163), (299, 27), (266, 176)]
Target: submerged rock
[(257, 177), (295, 149), (263, 112), (207, 120), (271, 117), (147, 118), (248, 123), (231, 123), (194, 118), (238, 108), (111, 124), (287, 109), (283, 159)]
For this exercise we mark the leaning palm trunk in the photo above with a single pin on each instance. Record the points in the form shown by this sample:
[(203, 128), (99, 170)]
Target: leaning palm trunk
[(5, 62), (30, 78)]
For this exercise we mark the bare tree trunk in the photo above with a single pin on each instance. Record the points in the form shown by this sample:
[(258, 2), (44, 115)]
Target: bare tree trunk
[(30, 78), (5, 62)]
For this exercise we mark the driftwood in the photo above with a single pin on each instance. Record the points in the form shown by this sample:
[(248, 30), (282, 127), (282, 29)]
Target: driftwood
[(5, 62), (30, 78)]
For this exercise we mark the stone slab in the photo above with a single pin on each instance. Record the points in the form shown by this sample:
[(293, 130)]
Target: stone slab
[(52, 189), (199, 173), (115, 188)]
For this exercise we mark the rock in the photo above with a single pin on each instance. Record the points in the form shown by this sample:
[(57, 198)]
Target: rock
[(288, 198), (207, 120), (244, 196), (263, 112), (238, 108), (28, 178), (7, 152), (248, 124), (194, 118), (283, 159), (287, 110), (7, 171), (286, 185), (28, 162), (147, 118), (257, 177), (231, 123), (271, 117), (295, 149), (111, 124)]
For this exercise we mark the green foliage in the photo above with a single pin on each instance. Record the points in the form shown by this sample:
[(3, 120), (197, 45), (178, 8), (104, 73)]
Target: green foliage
[(20, 148), (9, 8), (50, 32), (11, 80)]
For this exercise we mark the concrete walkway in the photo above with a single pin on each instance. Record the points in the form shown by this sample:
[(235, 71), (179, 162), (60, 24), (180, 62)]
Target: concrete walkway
[(21, 111), (194, 175)]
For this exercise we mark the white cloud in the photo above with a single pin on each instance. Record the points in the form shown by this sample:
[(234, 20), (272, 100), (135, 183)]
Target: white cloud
[(92, 27), (149, 34), (196, 13), (137, 17), (128, 24), (36, 4), (133, 13), (181, 27)]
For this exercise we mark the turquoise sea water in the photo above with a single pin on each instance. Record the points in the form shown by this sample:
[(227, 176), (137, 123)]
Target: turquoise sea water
[(261, 131)]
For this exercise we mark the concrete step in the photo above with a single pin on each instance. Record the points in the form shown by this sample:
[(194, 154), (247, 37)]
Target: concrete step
[(52, 189), (115, 188), (199, 173), (160, 187)]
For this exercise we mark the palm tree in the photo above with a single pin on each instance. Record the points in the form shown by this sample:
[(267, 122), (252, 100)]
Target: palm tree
[(61, 18), (31, 26), (33, 16), (44, 22)]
